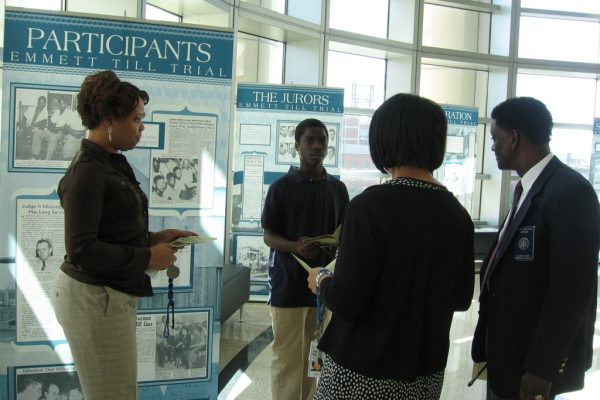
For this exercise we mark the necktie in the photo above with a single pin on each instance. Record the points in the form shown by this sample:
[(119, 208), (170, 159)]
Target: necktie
[(513, 210), (43, 264), (515, 202)]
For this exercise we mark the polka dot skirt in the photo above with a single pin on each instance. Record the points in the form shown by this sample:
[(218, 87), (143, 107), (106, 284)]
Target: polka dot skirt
[(337, 382)]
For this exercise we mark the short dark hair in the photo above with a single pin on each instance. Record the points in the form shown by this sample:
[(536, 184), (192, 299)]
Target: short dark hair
[(44, 240), (158, 178), (526, 115), (306, 124), (408, 130), (104, 95)]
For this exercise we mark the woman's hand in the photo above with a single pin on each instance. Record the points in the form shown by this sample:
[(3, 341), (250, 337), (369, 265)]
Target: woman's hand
[(312, 276), (168, 235), (162, 255)]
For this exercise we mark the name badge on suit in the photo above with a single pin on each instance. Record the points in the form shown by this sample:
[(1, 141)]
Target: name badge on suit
[(524, 248)]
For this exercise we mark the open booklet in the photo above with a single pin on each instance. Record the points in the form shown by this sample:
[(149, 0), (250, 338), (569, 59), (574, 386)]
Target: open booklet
[(330, 266), (332, 239), (180, 243)]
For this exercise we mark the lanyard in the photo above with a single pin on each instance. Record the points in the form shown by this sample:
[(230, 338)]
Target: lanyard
[(172, 273), (320, 312)]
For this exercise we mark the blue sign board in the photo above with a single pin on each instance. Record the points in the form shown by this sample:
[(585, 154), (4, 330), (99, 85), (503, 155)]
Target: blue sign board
[(290, 98), (76, 42)]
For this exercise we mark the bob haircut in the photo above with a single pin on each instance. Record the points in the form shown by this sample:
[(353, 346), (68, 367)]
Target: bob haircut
[(104, 95), (408, 130), (306, 124), (526, 115)]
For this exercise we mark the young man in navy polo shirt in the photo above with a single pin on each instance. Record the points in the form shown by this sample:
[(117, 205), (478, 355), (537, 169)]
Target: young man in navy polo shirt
[(305, 202)]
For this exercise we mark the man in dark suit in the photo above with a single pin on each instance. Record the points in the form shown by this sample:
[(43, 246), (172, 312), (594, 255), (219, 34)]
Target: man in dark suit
[(539, 279)]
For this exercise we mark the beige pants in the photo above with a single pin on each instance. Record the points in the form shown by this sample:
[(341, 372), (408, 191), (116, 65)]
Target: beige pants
[(99, 324), (293, 330)]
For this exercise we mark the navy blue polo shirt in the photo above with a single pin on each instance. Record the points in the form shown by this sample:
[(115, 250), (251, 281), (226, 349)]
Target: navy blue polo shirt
[(298, 206)]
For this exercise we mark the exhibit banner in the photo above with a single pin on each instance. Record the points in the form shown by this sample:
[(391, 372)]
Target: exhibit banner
[(457, 172), (181, 164), (263, 150)]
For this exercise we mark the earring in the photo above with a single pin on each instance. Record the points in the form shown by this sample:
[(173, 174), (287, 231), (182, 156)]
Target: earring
[(110, 134)]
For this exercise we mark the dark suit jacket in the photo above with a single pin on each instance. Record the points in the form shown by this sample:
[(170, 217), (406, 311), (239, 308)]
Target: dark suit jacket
[(538, 307)]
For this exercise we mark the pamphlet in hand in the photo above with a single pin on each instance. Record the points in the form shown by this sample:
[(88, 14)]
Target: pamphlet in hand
[(330, 266), (325, 240), (180, 243), (189, 240)]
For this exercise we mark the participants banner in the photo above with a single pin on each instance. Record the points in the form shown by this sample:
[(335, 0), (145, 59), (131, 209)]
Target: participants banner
[(181, 164), (457, 172), (264, 149)]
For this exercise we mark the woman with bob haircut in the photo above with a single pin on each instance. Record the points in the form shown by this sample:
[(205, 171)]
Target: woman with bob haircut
[(108, 245), (405, 264)]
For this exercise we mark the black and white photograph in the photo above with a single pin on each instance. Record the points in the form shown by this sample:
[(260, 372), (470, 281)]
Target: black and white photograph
[(186, 346), (252, 252), (286, 143), (8, 305), (174, 181), (47, 128), (54, 383)]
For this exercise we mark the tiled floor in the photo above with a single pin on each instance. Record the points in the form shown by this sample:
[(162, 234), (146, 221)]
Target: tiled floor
[(245, 358)]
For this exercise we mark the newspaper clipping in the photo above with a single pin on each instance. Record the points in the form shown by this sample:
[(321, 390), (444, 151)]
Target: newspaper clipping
[(187, 160), (180, 355), (47, 128), (40, 241), (48, 382)]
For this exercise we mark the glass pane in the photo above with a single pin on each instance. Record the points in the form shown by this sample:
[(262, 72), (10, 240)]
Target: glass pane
[(358, 171), (119, 8), (275, 5), (597, 114), (584, 6), (41, 4), (456, 86), (363, 78), (457, 172), (259, 60), (573, 147), (157, 14), (556, 39), (359, 16), (470, 29), (570, 100)]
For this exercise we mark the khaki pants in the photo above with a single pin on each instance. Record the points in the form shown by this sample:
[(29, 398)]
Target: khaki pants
[(293, 331), (99, 324)]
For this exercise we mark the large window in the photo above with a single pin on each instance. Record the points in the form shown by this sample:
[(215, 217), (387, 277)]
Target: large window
[(583, 6), (559, 39), (572, 103), (158, 14), (55, 5), (570, 99), (275, 5), (363, 78), (259, 59), (358, 171), (359, 16), (470, 28), (454, 85)]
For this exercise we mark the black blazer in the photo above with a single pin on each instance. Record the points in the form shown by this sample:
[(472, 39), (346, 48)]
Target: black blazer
[(538, 307)]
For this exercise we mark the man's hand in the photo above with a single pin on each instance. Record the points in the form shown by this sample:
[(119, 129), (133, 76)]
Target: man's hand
[(534, 388), (307, 252)]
